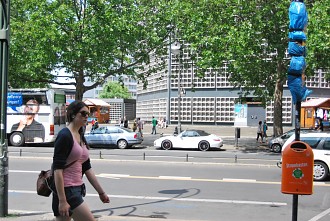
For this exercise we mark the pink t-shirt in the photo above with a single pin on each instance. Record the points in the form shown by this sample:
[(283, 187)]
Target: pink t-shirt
[(73, 174)]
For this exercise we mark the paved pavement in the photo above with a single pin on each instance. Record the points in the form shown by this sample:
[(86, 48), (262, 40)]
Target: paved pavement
[(222, 131)]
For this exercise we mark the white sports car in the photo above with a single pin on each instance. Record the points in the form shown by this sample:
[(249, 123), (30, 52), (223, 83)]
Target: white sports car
[(190, 139)]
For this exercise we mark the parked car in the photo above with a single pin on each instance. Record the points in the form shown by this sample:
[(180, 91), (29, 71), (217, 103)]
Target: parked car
[(320, 143), (275, 144), (106, 136), (190, 139)]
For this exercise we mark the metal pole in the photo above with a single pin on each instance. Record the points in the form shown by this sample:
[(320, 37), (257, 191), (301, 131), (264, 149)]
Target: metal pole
[(179, 95), (4, 51), (168, 108), (297, 138)]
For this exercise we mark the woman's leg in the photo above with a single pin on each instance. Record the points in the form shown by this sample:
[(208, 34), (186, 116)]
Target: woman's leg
[(63, 218), (82, 213)]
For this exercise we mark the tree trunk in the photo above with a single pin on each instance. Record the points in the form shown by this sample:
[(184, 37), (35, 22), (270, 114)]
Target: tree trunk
[(278, 127), (80, 87), (278, 95)]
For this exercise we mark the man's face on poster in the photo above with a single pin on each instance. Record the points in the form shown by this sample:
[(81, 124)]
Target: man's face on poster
[(31, 108)]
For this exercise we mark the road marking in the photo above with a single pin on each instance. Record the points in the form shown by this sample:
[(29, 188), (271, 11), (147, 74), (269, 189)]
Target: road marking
[(223, 180), (319, 216), (176, 199), (23, 171), (239, 180), (112, 176), (175, 177)]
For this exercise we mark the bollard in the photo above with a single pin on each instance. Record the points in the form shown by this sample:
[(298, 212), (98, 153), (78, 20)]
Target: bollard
[(237, 135), (235, 158), (187, 158), (20, 152), (144, 156), (100, 155)]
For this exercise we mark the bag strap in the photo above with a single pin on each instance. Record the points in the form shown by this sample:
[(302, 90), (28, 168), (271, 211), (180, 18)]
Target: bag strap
[(70, 164)]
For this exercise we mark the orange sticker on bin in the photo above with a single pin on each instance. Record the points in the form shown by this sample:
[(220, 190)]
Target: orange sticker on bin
[(297, 169)]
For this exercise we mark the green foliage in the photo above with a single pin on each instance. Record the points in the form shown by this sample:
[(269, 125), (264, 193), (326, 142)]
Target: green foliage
[(318, 33), (115, 90), (235, 32), (90, 39), (252, 38)]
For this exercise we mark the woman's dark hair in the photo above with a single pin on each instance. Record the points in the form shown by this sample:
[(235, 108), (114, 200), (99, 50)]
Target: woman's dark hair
[(71, 111)]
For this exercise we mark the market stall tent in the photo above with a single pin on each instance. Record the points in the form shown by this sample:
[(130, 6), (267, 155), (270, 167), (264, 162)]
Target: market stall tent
[(310, 112), (99, 109)]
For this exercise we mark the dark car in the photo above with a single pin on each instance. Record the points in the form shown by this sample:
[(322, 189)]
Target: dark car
[(106, 136)]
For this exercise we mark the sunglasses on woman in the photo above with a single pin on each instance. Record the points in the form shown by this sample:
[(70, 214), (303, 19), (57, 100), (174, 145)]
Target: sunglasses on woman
[(84, 113)]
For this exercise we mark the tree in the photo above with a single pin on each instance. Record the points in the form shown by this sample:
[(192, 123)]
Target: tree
[(115, 90), (88, 39), (318, 43), (251, 36)]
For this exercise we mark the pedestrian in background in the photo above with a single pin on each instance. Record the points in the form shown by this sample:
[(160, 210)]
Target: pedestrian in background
[(164, 122), (259, 132), (134, 127), (154, 125), (265, 128), (70, 162), (320, 125), (125, 122), (140, 126)]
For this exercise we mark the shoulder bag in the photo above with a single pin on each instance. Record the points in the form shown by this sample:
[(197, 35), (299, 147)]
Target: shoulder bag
[(45, 181)]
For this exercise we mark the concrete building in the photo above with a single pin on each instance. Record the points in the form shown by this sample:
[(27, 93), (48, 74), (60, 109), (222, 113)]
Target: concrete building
[(213, 98)]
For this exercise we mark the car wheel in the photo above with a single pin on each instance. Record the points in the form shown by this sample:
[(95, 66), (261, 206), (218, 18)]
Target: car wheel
[(17, 139), (321, 171), (203, 145), (277, 148), (122, 144), (166, 145)]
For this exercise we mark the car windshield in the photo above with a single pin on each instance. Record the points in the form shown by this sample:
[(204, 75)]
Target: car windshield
[(311, 141), (194, 133)]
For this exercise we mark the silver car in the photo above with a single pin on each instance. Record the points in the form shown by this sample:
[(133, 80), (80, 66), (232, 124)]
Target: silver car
[(275, 144), (106, 136)]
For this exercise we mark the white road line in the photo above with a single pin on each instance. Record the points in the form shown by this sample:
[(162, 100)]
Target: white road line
[(112, 176), (24, 171), (233, 180), (319, 216), (239, 180), (177, 199), (175, 177)]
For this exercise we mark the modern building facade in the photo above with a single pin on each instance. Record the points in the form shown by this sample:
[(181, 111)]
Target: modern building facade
[(212, 99)]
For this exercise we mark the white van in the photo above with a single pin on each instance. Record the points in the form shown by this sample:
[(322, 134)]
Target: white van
[(320, 143)]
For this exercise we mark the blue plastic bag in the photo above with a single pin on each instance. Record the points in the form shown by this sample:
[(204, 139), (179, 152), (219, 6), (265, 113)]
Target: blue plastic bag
[(297, 35), (299, 91), (298, 16), (296, 49), (297, 65)]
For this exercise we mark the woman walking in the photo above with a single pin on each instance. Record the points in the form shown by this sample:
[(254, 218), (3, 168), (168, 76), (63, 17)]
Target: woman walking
[(70, 162), (259, 132)]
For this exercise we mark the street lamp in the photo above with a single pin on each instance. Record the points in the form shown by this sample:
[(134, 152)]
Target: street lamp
[(176, 50)]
